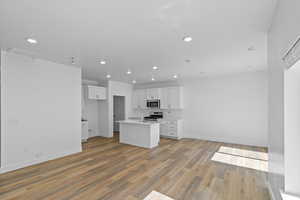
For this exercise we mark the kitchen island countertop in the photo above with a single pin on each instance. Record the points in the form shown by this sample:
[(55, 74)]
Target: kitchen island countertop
[(141, 122)]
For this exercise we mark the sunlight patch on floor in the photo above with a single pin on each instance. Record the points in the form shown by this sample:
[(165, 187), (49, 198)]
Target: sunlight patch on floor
[(157, 196), (242, 158), (244, 153)]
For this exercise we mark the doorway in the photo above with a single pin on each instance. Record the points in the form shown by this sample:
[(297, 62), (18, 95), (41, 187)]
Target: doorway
[(118, 112)]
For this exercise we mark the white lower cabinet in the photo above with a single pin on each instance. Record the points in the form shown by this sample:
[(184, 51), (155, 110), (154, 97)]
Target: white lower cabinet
[(171, 128)]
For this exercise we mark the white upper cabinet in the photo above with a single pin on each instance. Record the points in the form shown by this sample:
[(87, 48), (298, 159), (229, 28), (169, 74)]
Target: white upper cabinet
[(170, 97), (96, 92), (139, 98), (153, 93), (175, 99), (164, 100)]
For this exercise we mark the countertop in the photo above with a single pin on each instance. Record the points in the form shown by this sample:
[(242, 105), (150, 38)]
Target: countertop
[(140, 122)]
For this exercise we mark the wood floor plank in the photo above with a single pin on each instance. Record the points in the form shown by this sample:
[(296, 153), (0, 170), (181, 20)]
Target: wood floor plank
[(107, 170)]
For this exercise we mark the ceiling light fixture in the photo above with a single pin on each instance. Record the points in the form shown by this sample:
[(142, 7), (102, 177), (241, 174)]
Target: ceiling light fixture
[(108, 76), (134, 81), (128, 72), (152, 79), (187, 38), (31, 40), (155, 68), (102, 62), (175, 76)]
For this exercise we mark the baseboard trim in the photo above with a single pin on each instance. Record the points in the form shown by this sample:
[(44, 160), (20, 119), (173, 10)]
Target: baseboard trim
[(286, 196), (105, 135), (170, 137), (282, 196), (224, 140), (13, 167)]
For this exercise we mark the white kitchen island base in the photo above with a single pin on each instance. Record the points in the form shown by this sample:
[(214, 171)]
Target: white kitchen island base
[(139, 133)]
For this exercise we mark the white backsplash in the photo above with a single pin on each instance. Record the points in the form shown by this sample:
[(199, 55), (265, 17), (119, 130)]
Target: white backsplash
[(168, 114)]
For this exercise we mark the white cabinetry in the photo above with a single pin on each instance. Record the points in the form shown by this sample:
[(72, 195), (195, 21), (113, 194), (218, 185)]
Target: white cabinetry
[(139, 99), (171, 128), (171, 98), (153, 93), (96, 92)]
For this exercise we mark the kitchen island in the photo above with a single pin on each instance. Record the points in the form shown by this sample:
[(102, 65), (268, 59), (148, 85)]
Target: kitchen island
[(139, 133)]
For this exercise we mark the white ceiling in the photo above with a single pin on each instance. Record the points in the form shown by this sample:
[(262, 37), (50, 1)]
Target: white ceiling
[(137, 34)]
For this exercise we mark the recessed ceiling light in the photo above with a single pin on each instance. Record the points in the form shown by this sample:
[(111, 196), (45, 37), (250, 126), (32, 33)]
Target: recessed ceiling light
[(102, 62), (175, 76), (108, 76), (31, 40), (155, 68), (152, 79), (128, 72), (134, 81), (187, 38)]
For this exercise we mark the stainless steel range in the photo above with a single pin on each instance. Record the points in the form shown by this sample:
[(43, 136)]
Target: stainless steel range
[(154, 117)]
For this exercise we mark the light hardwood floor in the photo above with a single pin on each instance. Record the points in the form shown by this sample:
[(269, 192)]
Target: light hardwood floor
[(182, 170)]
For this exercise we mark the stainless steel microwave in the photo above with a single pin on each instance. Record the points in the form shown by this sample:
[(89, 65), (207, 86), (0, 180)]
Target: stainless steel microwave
[(153, 103)]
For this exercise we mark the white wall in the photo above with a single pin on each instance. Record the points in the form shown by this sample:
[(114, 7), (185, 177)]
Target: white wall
[(229, 109), (2, 110), (42, 102), (283, 33), (292, 129)]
